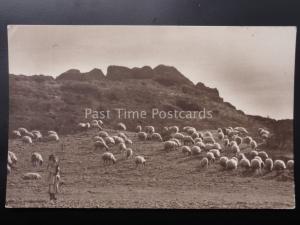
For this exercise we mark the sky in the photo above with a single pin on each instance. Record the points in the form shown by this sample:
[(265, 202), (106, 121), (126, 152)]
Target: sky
[(252, 67)]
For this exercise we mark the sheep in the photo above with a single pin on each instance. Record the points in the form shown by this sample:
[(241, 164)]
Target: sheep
[(121, 126), (269, 164), (210, 156), (186, 150), (221, 136), (83, 126), (217, 146), (235, 149), (22, 130), (177, 142), (216, 153), (179, 136), (244, 163), (195, 150), (198, 139), (232, 143), (37, 134), (156, 137), (241, 130), (247, 140), (95, 124), (195, 135), (12, 158), (231, 164), (279, 165), (31, 176), (253, 144), (209, 146), (200, 144), (142, 136), (8, 169), (204, 162), (138, 128), (103, 134), (16, 134), (27, 139), (101, 145), (208, 139), (122, 135), (36, 159), (191, 130), (256, 165), (207, 134), (128, 153), (51, 132), (128, 141), (253, 153), (53, 137), (140, 160), (223, 161), (122, 147), (98, 138), (290, 164), (219, 130), (100, 122), (9, 160), (238, 140), (186, 128), (149, 129), (173, 129), (263, 155), (226, 142), (188, 140), (108, 158), (170, 145), (118, 139), (109, 141)]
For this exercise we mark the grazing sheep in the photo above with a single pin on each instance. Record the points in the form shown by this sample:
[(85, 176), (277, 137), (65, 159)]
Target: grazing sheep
[(290, 164), (177, 142), (122, 135), (200, 144), (142, 136), (256, 165), (244, 163), (53, 137), (100, 122), (118, 139), (149, 129), (231, 164), (253, 153), (128, 141), (221, 135), (12, 158), (195, 135), (128, 153), (238, 140), (269, 164), (173, 129), (219, 130), (30, 134), (253, 144), (223, 161), (121, 126), (103, 134), (156, 137), (207, 134), (36, 159), (95, 124), (22, 130), (122, 147), (27, 139), (199, 139), (242, 130), (98, 138), (140, 160), (247, 140), (210, 156), (209, 146), (108, 158), (101, 145), (109, 141), (204, 162), (170, 145), (226, 142), (31, 176), (37, 134), (208, 139), (9, 161), (84, 126), (186, 128), (138, 128), (235, 149), (195, 150), (179, 136), (191, 130), (279, 165), (216, 153), (16, 134), (217, 146), (188, 140), (263, 155), (186, 150)]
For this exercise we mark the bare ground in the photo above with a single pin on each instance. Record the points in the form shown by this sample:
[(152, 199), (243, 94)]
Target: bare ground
[(169, 180)]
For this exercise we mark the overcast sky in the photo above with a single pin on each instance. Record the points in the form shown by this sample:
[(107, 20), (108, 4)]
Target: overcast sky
[(252, 67)]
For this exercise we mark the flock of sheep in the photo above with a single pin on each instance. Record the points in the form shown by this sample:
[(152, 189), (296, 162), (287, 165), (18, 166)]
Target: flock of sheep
[(236, 149)]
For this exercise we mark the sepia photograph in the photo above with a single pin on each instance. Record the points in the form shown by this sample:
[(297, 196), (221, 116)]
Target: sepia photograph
[(163, 117)]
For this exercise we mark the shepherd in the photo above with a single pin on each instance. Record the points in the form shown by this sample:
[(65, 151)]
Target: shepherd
[(54, 176)]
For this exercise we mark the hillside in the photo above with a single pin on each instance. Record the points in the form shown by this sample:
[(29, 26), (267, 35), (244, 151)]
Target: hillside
[(44, 103)]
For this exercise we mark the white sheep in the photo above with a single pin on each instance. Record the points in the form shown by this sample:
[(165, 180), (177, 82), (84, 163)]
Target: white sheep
[(226, 142), (128, 153), (191, 130), (207, 134), (204, 162), (290, 164), (100, 122), (122, 147), (210, 156), (16, 133), (279, 165), (108, 158), (140, 160), (22, 130), (186, 150), (223, 161), (118, 139), (128, 141), (235, 149), (156, 137), (208, 139), (8, 169), (253, 144), (240, 155), (27, 139), (216, 153), (173, 129), (103, 134), (244, 163), (241, 130), (170, 145), (256, 165), (177, 142), (101, 145), (53, 137), (253, 153), (238, 140), (149, 129), (247, 140), (269, 164), (263, 155), (31, 176), (217, 146), (221, 135), (121, 126), (195, 150), (109, 141), (231, 164), (37, 134), (138, 128), (51, 132), (142, 136), (98, 138), (209, 146), (188, 140), (36, 159), (12, 158), (179, 136), (199, 139)]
